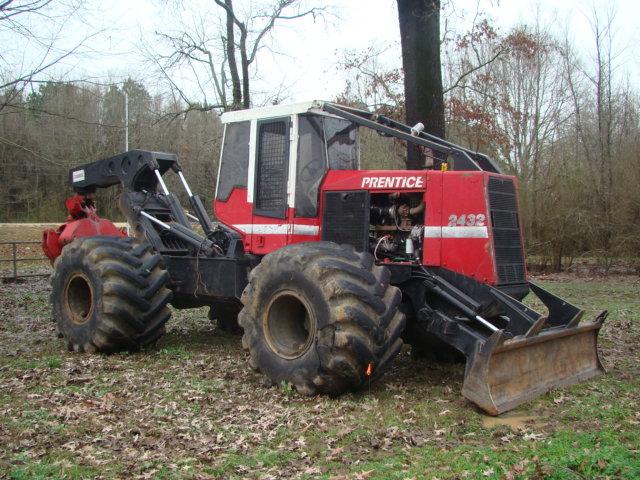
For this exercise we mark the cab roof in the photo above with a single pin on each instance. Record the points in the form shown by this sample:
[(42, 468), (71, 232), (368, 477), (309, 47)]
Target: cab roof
[(273, 111)]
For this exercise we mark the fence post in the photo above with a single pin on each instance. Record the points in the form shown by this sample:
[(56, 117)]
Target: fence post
[(15, 261)]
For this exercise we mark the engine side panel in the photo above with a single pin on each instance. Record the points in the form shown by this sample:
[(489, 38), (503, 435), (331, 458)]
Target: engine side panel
[(465, 237), (467, 222)]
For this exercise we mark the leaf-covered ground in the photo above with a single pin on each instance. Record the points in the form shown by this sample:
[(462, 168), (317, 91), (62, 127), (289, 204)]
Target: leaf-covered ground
[(191, 408)]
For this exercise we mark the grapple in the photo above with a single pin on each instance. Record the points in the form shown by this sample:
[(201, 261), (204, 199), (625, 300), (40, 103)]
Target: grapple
[(528, 356)]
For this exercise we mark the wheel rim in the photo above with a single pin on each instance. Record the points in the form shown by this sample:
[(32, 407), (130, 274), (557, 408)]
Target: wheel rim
[(289, 324), (78, 298)]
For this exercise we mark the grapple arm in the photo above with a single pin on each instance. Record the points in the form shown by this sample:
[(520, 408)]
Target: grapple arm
[(146, 201), (150, 208), (134, 169)]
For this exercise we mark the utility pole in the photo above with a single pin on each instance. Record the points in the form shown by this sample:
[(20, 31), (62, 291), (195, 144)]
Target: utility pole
[(126, 122)]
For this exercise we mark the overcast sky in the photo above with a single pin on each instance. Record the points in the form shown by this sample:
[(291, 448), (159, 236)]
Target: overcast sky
[(309, 50)]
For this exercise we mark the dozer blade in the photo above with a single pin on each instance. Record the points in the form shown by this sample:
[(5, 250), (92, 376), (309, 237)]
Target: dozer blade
[(505, 373)]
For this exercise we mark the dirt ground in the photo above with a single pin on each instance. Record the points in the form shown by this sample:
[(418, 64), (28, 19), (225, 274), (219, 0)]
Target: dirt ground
[(23, 231), (191, 408)]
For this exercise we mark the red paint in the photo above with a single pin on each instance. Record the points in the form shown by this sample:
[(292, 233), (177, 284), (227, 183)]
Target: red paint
[(433, 217), (445, 193), (81, 222), (458, 197), (464, 193)]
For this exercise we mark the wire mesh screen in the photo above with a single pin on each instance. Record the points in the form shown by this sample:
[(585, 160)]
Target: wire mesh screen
[(346, 218), (271, 188)]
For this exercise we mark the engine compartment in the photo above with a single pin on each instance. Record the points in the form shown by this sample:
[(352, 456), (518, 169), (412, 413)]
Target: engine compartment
[(396, 226)]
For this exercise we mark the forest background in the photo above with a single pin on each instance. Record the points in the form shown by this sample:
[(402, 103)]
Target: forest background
[(563, 118)]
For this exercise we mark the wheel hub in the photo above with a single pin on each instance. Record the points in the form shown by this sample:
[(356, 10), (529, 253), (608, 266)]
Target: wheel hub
[(78, 298), (289, 324)]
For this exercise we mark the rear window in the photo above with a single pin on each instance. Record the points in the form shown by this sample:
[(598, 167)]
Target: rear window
[(234, 164), (272, 165)]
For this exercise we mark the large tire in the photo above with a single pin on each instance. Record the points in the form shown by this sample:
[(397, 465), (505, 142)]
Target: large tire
[(109, 294), (322, 317), (225, 316)]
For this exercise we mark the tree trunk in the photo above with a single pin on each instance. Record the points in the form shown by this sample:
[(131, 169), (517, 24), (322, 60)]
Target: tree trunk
[(420, 39), (246, 99), (231, 58)]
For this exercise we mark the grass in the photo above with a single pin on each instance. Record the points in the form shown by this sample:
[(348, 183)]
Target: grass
[(191, 408)]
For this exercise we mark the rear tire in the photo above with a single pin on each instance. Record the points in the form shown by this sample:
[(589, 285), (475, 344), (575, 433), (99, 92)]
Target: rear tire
[(322, 317), (109, 294)]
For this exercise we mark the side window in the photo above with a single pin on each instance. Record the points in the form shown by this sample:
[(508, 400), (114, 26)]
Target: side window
[(234, 162), (272, 160), (311, 165), (342, 144)]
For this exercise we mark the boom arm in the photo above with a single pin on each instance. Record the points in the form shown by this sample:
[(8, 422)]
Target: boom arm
[(464, 159), (134, 169)]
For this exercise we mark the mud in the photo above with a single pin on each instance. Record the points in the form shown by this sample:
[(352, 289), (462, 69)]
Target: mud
[(513, 420)]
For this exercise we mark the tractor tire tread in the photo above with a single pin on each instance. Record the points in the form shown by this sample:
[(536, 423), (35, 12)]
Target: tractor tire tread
[(130, 283), (364, 324)]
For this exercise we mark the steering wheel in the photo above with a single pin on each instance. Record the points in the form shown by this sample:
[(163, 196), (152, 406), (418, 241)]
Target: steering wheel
[(310, 171)]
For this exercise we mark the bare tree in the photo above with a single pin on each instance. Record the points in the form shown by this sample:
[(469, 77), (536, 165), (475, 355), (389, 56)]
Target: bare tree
[(221, 52), (370, 82), (594, 96), (31, 32), (417, 90)]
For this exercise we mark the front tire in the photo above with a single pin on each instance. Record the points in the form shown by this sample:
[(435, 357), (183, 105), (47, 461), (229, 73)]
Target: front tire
[(322, 317), (109, 294)]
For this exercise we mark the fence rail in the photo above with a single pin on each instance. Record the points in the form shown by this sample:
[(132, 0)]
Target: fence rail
[(15, 259)]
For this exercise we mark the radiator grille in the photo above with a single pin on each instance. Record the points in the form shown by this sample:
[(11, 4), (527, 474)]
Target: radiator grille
[(507, 242), (346, 218)]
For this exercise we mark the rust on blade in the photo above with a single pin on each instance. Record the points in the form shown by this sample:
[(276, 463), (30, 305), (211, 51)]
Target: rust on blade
[(506, 373)]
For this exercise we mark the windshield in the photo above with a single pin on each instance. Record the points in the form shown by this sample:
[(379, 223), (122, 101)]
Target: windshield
[(341, 138), (323, 142)]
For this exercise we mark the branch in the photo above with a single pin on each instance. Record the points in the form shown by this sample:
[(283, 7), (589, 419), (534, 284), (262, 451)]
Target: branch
[(191, 106), (474, 69), (22, 147), (277, 15), (49, 47), (184, 47), (66, 117), (28, 77), (231, 13), (31, 7)]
